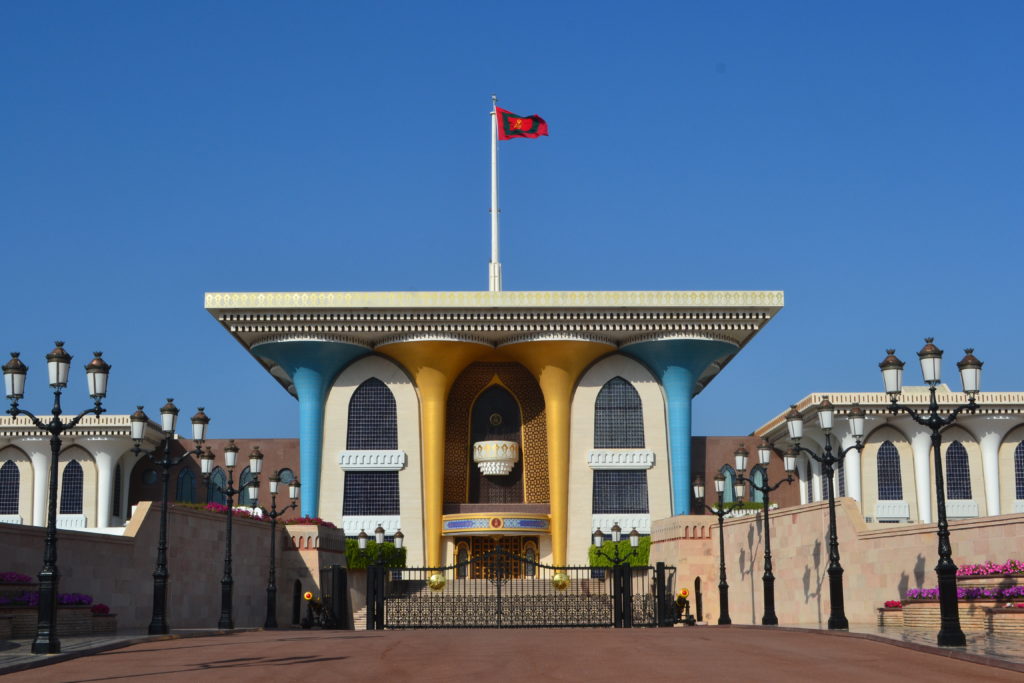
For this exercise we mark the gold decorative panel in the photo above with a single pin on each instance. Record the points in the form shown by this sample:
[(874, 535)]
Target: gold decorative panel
[(457, 461)]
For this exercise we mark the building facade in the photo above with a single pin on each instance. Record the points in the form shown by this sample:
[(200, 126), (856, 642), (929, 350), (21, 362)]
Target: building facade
[(470, 419), (893, 477)]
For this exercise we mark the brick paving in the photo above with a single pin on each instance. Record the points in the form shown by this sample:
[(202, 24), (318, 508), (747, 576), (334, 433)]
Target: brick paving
[(720, 653)]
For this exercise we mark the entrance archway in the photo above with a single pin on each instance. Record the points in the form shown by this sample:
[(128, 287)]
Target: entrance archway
[(496, 417)]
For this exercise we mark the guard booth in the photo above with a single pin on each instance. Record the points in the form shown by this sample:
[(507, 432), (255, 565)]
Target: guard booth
[(334, 610)]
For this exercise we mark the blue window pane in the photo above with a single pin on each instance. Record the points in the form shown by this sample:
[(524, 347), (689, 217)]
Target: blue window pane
[(72, 484), (1018, 470), (729, 495), (185, 491), (758, 476), (213, 495), (620, 492), (115, 504), (372, 418), (371, 493), (244, 499), (890, 482), (10, 480), (958, 472), (618, 416)]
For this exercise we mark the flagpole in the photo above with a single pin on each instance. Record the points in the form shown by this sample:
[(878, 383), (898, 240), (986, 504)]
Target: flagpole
[(494, 270)]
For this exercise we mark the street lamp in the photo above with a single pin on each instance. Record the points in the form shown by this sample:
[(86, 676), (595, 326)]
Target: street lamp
[(58, 363), (255, 465), (375, 576), (950, 633), (764, 456), (274, 513), (829, 462), (378, 538), (616, 559), (162, 456), (721, 512)]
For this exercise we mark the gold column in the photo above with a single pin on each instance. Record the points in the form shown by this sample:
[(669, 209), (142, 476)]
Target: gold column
[(557, 366), (434, 366)]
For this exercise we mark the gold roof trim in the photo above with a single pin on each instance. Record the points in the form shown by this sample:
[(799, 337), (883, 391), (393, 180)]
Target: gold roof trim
[(407, 300)]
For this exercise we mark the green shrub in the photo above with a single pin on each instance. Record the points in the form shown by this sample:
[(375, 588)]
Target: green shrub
[(641, 558), (361, 559)]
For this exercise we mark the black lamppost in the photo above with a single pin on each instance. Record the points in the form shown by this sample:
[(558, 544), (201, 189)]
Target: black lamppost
[(764, 457), (721, 512), (162, 456), (616, 560), (376, 575), (274, 513), (378, 537), (829, 462), (58, 363), (950, 633), (226, 620)]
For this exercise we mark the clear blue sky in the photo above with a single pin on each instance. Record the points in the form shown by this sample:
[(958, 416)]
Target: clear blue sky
[(866, 158)]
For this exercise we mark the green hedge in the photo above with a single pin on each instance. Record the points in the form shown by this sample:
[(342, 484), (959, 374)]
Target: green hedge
[(641, 558), (745, 505), (361, 559)]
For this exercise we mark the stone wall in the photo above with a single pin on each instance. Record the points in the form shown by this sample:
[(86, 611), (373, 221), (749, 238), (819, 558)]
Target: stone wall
[(118, 570), (881, 561)]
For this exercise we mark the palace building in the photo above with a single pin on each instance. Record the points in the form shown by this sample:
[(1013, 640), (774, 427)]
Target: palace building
[(893, 478), (473, 418)]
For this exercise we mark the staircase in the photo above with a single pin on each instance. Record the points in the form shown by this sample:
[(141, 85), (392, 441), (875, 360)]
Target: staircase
[(359, 619)]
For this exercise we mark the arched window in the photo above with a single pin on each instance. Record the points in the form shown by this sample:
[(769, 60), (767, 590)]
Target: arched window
[(729, 494), (372, 418), (10, 480), (72, 483), (618, 416), (1018, 470), (887, 465), (530, 563), (115, 500), (841, 478), (758, 476), (809, 482), (371, 494), (958, 472), (186, 489), (244, 499), (213, 495), (462, 561)]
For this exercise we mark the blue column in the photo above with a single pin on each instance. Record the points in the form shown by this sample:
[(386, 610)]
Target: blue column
[(679, 363), (312, 365)]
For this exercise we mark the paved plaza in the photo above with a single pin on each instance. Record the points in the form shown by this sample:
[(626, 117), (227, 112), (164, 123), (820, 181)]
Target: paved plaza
[(712, 653)]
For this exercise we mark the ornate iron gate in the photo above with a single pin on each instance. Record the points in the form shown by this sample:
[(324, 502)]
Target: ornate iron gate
[(498, 589)]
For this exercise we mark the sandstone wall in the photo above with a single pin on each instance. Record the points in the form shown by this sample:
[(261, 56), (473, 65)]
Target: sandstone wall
[(881, 561)]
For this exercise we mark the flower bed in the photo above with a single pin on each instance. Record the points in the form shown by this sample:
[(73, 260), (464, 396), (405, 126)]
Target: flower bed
[(72, 620), (310, 521), (14, 584), (102, 620), (221, 509), (1007, 568), (890, 617), (1006, 621)]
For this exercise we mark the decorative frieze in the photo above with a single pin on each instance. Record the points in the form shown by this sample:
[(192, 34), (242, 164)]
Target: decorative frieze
[(892, 509), (642, 523), (353, 524), (355, 461), (961, 509), (71, 522), (620, 459)]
